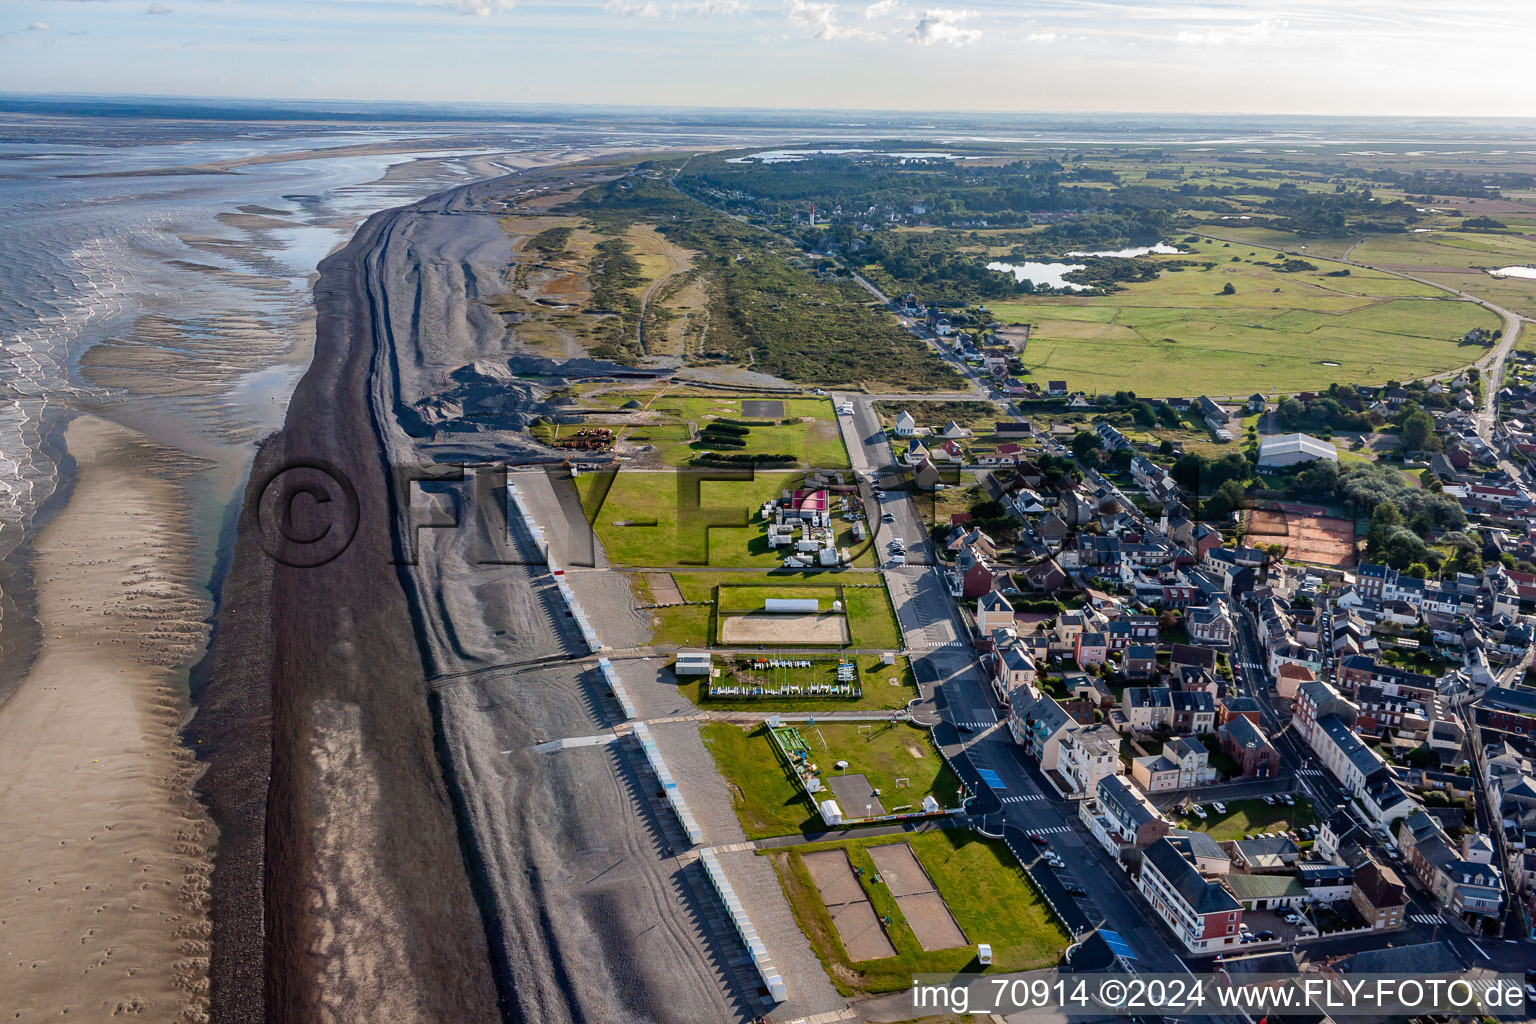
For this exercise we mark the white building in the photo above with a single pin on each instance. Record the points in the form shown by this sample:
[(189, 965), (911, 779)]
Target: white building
[(1294, 449), (906, 426)]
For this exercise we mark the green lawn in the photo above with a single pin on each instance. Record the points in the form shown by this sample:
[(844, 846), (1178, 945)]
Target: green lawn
[(873, 675), (883, 752), (986, 891), (663, 518), (808, 429), (871, 621), (768, 800), (1245, 817), (1178, 335)]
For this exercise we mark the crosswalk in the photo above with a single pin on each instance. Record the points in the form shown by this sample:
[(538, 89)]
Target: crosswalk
[(943, 643), (1316, 773), (1020, 798), (1050, 830), (1426, 919), (1250, 664)]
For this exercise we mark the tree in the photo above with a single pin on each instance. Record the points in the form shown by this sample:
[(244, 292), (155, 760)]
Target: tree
[(1082, 443), (1418, 570), (1227, 289), (1417, 429)]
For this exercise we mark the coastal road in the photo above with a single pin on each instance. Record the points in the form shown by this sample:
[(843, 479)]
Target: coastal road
[(969, 727)]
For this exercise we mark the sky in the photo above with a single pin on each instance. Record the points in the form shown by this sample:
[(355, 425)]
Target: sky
[(1398, 57)]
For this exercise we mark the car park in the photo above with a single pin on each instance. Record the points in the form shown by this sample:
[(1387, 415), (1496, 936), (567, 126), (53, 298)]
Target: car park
[(1265, 935), (1076, 890), (1198, 812), (1269, 800)]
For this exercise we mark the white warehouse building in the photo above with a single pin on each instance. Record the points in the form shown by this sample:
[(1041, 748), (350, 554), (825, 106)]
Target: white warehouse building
[(1294, 449)]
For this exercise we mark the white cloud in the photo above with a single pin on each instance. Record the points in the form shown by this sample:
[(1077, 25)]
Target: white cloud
[(1255, 33), (880, 9), (1042, 37), (481, 8), (39, 26), (651, 9), (943, 25), (158, 9), (821, 20)]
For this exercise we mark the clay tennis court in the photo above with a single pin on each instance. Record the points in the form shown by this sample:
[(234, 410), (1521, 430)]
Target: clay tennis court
[(1318, 539), (925, 910), (852, 914), (774, 628)]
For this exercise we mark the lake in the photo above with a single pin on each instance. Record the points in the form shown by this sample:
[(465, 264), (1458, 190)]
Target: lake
[(1160, 249), (1052, 275)]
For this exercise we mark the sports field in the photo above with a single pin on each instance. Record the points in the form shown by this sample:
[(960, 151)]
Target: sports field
[(1180, 335), (975, 890)]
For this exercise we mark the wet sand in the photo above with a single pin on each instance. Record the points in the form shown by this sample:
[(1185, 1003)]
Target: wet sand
[(104, 852)]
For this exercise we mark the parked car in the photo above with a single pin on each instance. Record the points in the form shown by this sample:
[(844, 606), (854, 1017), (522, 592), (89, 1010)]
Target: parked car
[(1290, 801), (1269, 800), (1221, 808), (887, 518), (1266, 935), (1198, 812), (1291, 917), (1076, 890)]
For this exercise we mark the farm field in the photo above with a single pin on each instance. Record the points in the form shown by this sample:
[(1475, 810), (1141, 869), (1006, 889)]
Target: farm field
[(1179, 335), (665, 518), (977, 878), (871, 623)]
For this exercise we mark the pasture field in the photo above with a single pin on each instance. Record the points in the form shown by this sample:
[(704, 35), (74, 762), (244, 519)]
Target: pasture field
[(1460, 260), (978, 879), (1179, 335)]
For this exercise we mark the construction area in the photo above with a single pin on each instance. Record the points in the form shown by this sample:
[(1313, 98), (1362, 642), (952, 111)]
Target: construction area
[(1307, 534), (858, 927), (925, 910)]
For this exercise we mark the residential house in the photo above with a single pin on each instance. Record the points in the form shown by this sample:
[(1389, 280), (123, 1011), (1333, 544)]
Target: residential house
[(1199, 912), (1183, 764), (1090, 650), (1210, 625), (1460, 884), (1121, 817), (1037, 723), (993, 611), (1087, 755), (906, 426), (1139, 662), (1379, 895)]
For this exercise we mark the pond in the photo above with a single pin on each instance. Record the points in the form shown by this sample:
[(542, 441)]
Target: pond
[(1052, 275), (1161, 249), (1514, 272)]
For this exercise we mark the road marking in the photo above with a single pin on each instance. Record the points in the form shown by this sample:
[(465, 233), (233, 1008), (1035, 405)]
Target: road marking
[(1426, 919), (1020, 798), (1050, 830), (943, 643)]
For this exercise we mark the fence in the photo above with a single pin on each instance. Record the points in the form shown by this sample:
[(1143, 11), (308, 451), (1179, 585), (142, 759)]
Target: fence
[(743, 924), (668, 784)]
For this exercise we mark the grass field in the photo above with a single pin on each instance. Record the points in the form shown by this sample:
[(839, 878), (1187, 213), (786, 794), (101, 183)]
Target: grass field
[(871, 623), (1179, 335), (987, 893), (1245, 817), (812, 436), (873, 676), (659, 519), (884, 752), (1460, 259), (767, 799)]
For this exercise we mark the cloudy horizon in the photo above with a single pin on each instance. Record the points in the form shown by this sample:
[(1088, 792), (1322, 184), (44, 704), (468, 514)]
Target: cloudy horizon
[(1408, 57)]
